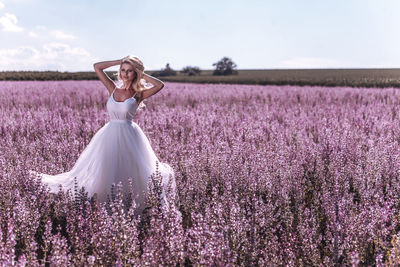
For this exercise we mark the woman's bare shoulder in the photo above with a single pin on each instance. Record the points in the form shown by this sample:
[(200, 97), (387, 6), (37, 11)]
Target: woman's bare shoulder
[(111, 89)]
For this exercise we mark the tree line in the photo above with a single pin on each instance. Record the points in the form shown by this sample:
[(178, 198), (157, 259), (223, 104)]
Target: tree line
[(225, 66)]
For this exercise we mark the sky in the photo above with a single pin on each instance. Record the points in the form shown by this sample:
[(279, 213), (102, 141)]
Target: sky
[(71, 35)]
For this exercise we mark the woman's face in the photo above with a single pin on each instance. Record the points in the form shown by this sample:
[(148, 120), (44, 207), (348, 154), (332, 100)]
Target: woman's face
[(127, 72)]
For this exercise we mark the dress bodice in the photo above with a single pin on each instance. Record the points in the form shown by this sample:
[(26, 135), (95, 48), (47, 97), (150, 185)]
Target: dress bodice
[(124, 110)]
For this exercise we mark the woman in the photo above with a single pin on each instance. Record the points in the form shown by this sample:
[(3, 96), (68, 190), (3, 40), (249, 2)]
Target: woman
[(119, 150)]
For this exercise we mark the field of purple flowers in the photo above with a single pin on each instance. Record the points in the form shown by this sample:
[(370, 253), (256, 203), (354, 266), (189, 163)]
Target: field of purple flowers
[(266, 175)]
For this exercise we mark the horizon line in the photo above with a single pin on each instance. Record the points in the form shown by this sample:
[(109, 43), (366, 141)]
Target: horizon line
[(247, 69)]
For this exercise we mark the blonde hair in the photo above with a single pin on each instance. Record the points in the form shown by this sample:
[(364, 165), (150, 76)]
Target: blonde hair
[(138, 84)]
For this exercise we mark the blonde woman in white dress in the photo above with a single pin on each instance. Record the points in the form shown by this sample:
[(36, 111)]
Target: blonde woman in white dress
[(119, 150)]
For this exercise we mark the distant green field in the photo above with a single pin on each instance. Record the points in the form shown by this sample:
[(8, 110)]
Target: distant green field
[(322, 77)]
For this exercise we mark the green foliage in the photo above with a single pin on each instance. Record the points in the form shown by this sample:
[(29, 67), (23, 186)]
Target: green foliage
[(167, 71), (191, 71), (224, 66), (301, 77), (48, 75)]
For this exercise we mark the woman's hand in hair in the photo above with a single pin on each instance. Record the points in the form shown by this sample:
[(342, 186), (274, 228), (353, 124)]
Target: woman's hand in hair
[(124, 58)]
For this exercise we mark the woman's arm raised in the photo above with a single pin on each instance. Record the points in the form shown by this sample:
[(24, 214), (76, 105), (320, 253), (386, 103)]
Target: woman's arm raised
[(99, 69), (157, 85)]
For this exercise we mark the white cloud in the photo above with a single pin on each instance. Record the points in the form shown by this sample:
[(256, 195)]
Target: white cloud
[(62, 35), (41, 27), (9, 23), (44, 32), (18, 53), (33, 34), (311, 62), (52, 56), (54, 48)]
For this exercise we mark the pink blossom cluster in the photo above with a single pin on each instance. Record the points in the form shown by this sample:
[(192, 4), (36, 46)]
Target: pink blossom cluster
[(266, 176)]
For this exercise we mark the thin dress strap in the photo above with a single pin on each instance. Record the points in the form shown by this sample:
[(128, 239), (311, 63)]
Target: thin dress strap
[(113, 91)]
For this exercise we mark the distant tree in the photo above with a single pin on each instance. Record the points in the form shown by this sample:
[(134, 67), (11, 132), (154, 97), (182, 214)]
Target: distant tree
[(168, 71), (191, 71), (225, 66)]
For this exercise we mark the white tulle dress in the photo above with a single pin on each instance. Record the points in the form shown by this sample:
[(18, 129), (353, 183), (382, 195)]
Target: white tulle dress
[(117, 152)]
